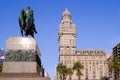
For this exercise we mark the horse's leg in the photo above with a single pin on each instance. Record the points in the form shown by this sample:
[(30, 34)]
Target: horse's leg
[(26, 34), (34, 28), (35, 31), (21, 30), (32, 34)]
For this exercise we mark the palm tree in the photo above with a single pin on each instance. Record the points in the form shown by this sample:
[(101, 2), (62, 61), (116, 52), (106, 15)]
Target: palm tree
[(78, 67), (59, 70), (69, 72), (104, 78), (62, 71), (114, 66)]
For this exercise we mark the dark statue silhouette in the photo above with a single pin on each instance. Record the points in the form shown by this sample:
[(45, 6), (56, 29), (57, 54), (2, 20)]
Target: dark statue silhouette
[(26, 22)]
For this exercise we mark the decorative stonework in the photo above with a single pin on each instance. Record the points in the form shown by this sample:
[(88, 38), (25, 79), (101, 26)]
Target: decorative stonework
[(22, 49), (21, 55)]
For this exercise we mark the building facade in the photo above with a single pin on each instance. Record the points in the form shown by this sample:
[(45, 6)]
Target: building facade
[(94, 61), (116, 50), (2, 55), (116, 53)]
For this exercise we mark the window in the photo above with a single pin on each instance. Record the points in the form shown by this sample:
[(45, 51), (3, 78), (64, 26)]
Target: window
[(73, 42), (70, 41), (94, 76), (90, 68), (73, 61), (97, 63), (86, 74), (100, 62)]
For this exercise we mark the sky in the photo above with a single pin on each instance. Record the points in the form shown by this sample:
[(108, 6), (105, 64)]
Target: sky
[(97, 23)]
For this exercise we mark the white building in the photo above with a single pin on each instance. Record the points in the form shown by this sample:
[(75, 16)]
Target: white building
[(2, 57), (94, 61)]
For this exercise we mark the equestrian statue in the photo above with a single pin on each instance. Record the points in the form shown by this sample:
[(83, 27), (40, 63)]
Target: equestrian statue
[(26, 22)]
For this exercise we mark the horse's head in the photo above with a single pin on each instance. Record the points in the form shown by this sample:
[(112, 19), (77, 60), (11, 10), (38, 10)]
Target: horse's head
[(22, 18)]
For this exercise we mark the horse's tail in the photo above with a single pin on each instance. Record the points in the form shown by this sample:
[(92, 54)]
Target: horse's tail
[(20, 22)]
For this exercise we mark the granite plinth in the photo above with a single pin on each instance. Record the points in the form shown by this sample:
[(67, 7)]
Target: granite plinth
[(21, 76), (22, 56), (19, 67), (24, 78), (6, 76), (22, 43), (22, 60)]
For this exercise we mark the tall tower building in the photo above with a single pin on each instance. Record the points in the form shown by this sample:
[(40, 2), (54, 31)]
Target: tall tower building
[(66, 37), (116, 50), (94, 61)]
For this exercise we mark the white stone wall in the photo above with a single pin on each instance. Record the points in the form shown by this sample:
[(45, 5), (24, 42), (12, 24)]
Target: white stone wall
[(95, 65)]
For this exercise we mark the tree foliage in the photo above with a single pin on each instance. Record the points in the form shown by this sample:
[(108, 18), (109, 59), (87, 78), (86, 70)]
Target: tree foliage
[(104, 78), (78, 67), (69, 72), (62, 71), (1, 65), (114, 66)]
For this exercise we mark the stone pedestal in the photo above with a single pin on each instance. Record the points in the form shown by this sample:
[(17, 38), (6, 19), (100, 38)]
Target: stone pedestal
[(19, 67), (22, 60)]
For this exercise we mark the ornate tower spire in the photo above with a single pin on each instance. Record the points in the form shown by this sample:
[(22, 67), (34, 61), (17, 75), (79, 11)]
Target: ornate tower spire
[(66, 36), (66, 17), (66, 13)]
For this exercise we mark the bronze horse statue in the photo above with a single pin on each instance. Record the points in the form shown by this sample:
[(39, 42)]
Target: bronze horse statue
[(26, 23)]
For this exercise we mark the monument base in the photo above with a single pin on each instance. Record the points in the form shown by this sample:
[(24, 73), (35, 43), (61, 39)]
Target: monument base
[(19, 67), (22, 60), (24, 79), (21, 76)]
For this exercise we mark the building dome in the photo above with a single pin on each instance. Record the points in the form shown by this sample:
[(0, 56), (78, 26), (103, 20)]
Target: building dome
[(66, 13)]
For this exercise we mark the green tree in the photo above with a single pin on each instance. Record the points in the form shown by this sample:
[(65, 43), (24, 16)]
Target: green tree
[(69, 73), (1, 65), (78, 67), (114, 66), (62, 71), (59, 70), (104, 78)]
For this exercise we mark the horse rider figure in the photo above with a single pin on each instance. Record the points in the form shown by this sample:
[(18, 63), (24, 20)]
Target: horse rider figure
[(26, 22)]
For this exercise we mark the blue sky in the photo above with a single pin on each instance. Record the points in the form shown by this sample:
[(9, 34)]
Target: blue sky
[(97, 23)]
